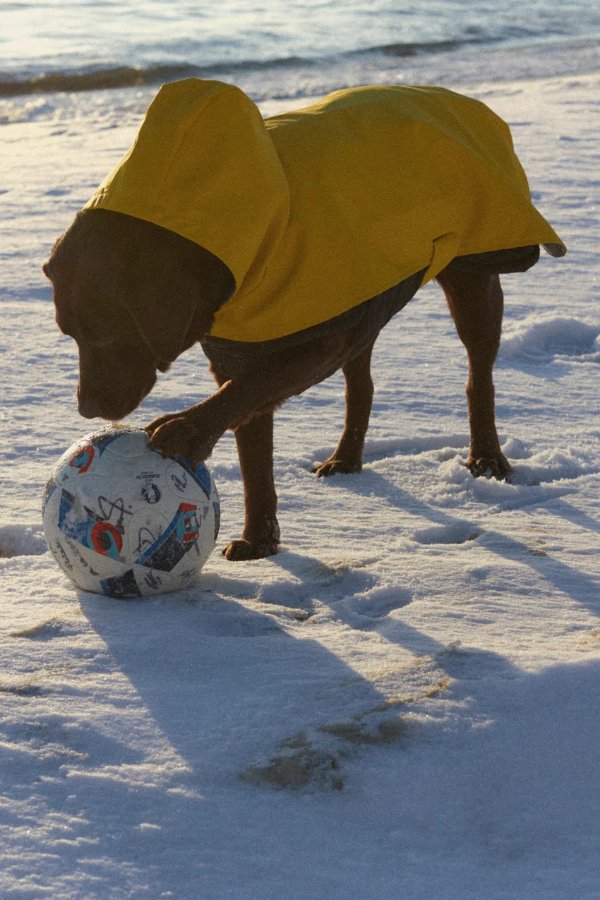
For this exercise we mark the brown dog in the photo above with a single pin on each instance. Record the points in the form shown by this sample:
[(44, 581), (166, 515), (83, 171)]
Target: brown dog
[(134, 295)]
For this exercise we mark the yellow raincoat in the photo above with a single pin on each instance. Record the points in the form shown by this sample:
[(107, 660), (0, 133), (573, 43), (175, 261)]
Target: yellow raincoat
[(317, 210)]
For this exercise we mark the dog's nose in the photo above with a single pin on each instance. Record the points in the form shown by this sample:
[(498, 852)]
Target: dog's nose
[(114, 405), (93, 406), (88, 407)]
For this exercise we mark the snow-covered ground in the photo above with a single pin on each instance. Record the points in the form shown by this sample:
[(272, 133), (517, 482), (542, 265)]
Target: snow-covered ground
[(405, 702)]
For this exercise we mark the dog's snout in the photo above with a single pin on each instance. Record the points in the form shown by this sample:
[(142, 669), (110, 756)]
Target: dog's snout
[(115, 405), (91, 406)]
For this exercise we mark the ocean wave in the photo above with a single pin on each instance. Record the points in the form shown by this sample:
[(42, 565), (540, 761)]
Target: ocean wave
[(119, 76), (424, 47), (111, 77), (290, 76)]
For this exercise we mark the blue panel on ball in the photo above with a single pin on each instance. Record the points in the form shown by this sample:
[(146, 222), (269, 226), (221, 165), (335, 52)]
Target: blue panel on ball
[(102, 441), (102, 537), (178, 537), (199, 473)]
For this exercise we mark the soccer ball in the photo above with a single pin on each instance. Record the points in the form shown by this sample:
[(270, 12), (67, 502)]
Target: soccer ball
[(122, 520)]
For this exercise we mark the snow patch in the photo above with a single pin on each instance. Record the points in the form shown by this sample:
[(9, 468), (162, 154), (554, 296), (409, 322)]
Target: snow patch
[(545, 467), (19, 540), (554, 465), (539, 338)]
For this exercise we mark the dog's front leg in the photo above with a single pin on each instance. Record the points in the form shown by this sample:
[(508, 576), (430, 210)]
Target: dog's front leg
[(194, 432), (261, 530), (245, 404)]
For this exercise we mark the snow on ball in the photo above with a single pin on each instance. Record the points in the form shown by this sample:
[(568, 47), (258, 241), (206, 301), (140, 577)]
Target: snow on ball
[(122, 520)]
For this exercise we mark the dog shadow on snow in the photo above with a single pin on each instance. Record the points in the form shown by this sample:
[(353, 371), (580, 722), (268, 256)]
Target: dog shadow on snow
[(447, 530), (233, 677), (217, 696), (240, 698), (244, 694), (231, 683)]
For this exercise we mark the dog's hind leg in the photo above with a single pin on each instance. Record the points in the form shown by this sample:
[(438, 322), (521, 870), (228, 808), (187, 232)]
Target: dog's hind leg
[(476, 304), (260, 537), (347, 457)]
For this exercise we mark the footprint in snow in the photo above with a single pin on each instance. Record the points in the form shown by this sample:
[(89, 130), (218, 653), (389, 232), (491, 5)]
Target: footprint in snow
[(369, 608), (456, 533), (307, 580), (47, 631)]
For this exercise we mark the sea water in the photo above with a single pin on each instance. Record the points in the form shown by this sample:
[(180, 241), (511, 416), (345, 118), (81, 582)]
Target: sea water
[(280, 48)]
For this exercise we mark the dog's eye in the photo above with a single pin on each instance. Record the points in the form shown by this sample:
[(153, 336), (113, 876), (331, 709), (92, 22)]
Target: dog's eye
[(83, 334), (105, 343), (95, 340)]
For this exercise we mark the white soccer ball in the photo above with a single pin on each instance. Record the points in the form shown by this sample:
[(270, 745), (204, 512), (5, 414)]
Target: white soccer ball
[(122, 520)]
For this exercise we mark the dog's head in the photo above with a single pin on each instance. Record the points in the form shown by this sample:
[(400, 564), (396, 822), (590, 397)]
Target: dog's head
[(134, 296)]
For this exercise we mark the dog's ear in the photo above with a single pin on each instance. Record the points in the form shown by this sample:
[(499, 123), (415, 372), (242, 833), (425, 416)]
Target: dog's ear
[(163, 309), (173, 297), (169, 286)]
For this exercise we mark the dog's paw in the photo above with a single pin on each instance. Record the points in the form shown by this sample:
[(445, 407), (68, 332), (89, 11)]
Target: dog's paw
[(240, 550), (257, 542), (496, 466), (161, 420), (179, 436), (335, 466)]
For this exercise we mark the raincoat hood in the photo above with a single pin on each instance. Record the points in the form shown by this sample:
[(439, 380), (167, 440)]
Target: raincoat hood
[(320, 209)]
